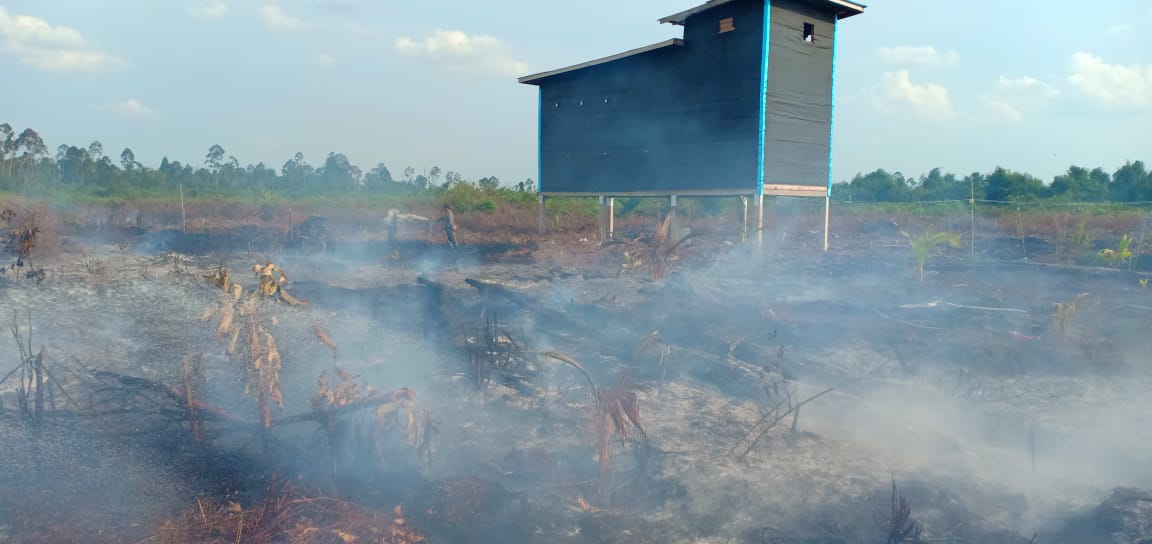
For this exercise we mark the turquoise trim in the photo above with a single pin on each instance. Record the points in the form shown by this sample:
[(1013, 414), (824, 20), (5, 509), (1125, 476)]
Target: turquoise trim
[(832, 103), (764, 47), (540, 140)]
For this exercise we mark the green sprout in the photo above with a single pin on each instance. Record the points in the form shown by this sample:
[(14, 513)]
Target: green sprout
[(923, 245), (1119, 256)]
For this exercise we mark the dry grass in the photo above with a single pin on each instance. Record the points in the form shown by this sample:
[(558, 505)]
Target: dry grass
[(29, 229), (286, 516)]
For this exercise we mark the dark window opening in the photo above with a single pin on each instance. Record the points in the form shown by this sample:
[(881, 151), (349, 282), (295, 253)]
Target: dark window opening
[(726, 25), (809, 32)]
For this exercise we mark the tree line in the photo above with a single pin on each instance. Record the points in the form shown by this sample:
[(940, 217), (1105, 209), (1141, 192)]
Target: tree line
[(27, 167), (1129, 183)]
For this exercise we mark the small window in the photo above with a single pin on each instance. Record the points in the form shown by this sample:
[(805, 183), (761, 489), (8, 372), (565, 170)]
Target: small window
[(726, 25), (809, 32)]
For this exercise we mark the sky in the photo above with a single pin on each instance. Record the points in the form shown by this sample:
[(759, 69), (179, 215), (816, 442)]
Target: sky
[(966, 86)]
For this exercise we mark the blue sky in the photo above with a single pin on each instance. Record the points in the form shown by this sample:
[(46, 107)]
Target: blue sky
[(965, 86)]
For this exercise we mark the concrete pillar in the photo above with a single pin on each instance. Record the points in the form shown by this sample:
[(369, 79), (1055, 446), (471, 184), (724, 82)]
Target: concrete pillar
[(744, 219), (827, 214), (611, 217), (760, 219), (540, 214)]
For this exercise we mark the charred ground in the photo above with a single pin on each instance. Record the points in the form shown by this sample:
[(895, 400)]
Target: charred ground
[(554, 390)]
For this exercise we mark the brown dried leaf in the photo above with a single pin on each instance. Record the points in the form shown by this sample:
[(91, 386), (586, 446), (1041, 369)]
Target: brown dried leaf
[(323, 336)]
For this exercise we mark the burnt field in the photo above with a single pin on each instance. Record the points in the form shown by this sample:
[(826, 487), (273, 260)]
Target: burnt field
[(167, 387)]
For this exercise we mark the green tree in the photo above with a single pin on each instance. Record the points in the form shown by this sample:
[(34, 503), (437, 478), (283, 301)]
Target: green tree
[(489, 184), (1131, 183), (1080, 185), (214, 160), (297, 174), (7, 148), (75, 165), (340, 174), (879, 186), (936, 185), (128, 160), (1006, 185)]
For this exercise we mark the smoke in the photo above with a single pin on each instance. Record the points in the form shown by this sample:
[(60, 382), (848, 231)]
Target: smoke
[(982, 415)]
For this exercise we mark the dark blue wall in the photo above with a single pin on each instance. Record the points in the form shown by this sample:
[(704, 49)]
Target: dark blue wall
[(681, 118)]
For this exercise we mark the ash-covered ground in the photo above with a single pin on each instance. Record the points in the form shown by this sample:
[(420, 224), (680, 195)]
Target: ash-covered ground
[(989, 403)]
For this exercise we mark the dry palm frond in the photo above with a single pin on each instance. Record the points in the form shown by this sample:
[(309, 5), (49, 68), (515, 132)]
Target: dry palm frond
[(574, 364), (646, 344), (661, 249), (619, 411), (324, 339)]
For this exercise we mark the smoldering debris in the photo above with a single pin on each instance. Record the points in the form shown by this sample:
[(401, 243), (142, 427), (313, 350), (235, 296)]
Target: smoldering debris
[(505, 403)]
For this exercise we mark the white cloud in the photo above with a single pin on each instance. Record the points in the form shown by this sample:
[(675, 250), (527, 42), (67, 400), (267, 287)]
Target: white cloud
[(480, 54), (1026, 84), (929, 101), (1015, 95), (275, 18), (36, 43), (1122, 29), (323, 60), (210, 10), (130, 107), (1112, 86), (1003, 110), (923, 55)]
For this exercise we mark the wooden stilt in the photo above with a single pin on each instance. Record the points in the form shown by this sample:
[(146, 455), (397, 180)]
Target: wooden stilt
[(540, 214)]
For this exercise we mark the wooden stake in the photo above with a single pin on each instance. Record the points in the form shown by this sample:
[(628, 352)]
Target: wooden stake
[(183, 214)]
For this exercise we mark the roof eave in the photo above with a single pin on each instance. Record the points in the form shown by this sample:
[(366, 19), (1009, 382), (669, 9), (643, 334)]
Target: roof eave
[(536, 78), (848, 9)]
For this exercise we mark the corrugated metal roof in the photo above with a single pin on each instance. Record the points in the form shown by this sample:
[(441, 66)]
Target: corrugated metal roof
[(845, 9), (542, 75)]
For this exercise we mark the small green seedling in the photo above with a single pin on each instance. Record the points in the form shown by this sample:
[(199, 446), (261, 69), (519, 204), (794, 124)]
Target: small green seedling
[(1144, 283), (1119, 256), (923, 245)]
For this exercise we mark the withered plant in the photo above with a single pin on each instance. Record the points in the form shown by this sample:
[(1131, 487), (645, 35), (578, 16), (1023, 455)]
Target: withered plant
[(493, 348), (338, 394), (662, 248), (36, 389), (618, 419), (897, 524), (1064, 313), (653, 341), (272, 279), (245, 322), (784, 407)]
